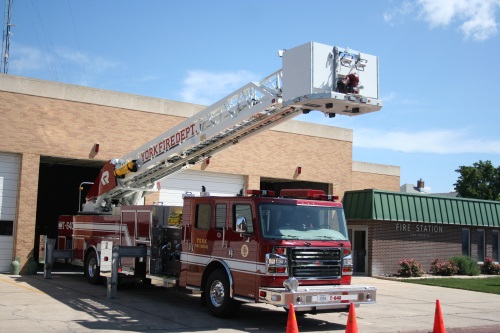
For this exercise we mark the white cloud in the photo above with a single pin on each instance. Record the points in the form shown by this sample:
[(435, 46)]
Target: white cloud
[(61, 64), (397, 14), (26, 58), (92, 64), (390, 97), (476, 18), (430, 141), (203, 87)]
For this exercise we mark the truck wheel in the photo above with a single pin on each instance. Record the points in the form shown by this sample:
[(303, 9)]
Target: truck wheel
[(92, 269), (218, 297)]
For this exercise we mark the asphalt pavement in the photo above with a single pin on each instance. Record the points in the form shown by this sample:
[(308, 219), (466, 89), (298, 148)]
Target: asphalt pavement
[(66, 303)]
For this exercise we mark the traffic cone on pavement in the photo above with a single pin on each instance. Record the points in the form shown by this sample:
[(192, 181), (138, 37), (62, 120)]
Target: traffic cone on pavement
[(352, 324), (291, 325), (438, 320)]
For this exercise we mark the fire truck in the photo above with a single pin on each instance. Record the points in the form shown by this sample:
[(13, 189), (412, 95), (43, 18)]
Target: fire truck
[(256, 246)]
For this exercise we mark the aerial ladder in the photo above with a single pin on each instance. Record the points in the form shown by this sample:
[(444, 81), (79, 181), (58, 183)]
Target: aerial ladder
[(314, 76)]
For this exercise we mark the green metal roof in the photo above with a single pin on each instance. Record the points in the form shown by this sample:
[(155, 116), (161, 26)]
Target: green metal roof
[(396, 206)]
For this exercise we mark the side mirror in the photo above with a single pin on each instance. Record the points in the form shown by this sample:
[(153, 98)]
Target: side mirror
[(241, 225)]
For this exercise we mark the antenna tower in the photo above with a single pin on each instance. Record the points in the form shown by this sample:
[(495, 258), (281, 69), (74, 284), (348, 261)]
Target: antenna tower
[(4, 66)]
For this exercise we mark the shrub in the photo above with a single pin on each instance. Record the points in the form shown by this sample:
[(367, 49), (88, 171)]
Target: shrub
[(410, 268), (489, 266), (466, 265), (446, 267)]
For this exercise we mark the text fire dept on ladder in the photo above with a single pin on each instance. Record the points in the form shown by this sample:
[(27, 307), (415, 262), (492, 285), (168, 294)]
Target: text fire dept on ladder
[(168, 143)]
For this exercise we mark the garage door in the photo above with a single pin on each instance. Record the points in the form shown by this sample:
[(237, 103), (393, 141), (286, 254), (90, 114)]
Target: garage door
[(218, 184), (9, 180)]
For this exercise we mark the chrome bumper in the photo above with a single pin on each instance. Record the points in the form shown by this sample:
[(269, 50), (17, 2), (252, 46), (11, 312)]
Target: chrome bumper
[(319, 297)]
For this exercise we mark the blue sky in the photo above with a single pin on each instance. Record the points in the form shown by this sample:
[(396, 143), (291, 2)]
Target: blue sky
[(439, 68)]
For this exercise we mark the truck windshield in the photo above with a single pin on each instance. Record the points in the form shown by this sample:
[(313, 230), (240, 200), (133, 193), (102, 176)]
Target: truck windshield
[(282, 221)]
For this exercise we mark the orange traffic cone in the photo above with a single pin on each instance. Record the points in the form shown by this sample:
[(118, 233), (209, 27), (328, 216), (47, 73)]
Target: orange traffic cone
[(291, 325), (438, 320), (352, 324)]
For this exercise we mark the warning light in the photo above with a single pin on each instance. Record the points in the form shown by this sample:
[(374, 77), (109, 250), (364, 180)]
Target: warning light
[(280, 250), (261, 193), (327, 197), (299, 170)]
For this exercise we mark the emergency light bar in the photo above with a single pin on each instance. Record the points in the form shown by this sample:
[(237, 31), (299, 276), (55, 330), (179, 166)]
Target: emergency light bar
[(328, 197), (301, 193), (261, 193), (307, 194)]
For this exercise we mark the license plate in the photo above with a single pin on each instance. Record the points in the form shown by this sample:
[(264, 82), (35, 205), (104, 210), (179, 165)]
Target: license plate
[(329, 298)]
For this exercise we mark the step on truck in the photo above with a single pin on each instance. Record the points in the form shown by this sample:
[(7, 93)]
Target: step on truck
[(285, 248)]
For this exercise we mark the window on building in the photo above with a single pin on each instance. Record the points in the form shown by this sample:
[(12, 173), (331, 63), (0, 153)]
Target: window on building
[(6, 228), (481, 248), (494, 245), (220, 216), (466, 242), (240, 210), (202, 216)]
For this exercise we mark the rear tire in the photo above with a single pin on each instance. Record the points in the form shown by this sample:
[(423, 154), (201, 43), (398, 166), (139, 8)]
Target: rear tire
[(217, 295), (92, 269)]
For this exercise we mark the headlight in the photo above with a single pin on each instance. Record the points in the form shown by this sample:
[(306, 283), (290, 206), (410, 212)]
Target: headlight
[(348, 260), (276, 263), (281, 261)]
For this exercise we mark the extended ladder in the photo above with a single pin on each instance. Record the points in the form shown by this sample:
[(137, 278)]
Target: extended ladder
[(246, 112)]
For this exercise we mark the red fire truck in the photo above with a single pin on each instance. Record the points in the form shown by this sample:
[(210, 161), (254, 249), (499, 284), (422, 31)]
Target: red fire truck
[(286, 249), (291, 249)]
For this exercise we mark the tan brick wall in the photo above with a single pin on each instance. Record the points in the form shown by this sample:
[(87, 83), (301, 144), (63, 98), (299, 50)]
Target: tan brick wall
[(26, 209), (365, 180), (277, 155), (36, 126), (252, 182), (152, 198), (61, 128)]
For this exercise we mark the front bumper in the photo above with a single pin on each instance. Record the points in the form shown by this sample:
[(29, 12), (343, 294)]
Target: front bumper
[(319, 298)]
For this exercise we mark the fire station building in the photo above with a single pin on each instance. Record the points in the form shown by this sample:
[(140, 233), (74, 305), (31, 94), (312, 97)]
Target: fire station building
[(56, 137), (387, 227)]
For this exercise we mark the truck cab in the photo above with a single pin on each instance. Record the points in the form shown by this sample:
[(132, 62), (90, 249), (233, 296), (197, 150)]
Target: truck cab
[(291, 249)]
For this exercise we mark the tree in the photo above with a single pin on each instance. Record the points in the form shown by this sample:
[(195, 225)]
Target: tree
[(479, 181)]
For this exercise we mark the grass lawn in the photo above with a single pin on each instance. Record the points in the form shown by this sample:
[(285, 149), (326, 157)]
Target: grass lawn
[(486, 285)]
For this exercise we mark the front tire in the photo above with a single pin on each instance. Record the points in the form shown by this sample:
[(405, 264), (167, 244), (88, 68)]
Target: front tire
[(217, 295), (92, 269)]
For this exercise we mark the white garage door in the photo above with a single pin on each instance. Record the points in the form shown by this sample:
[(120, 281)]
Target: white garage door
[(218, 184), (9, 180)]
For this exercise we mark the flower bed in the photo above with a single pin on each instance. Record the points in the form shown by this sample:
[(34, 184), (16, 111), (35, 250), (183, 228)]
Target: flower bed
[(444, 267)]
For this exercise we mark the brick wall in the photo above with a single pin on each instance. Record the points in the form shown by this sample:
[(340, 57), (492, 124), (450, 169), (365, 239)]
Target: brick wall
[(53, 127), (366, 180), (60, 128), (36, 126), (26, 209), (277, 154)]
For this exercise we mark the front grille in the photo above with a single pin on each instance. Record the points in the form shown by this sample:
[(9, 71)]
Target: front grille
[(323, 263)]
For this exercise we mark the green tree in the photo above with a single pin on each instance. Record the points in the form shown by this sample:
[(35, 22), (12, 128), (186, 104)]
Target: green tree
[(479, 181)]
